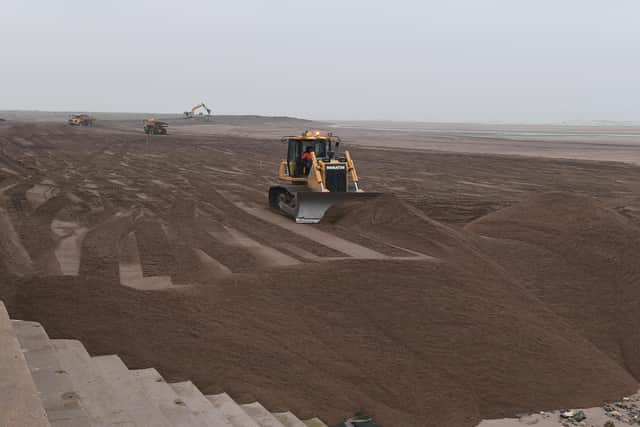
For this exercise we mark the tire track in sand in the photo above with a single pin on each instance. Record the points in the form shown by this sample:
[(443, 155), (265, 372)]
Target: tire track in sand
[(340, 245)]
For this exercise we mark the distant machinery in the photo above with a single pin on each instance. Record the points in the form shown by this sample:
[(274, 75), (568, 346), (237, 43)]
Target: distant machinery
[(192, 113), (81, 120), (155, 127)]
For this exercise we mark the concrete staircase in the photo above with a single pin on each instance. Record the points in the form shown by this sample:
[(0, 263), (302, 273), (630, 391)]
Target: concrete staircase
[(45, 382)]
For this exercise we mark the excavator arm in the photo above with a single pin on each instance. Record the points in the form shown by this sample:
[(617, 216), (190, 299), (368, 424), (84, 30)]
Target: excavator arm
[(195, 108)]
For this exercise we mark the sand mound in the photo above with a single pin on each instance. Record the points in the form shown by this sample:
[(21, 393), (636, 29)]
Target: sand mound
[(389, 219), (578, 258), (424, 344), (558, 214), (385, 210)]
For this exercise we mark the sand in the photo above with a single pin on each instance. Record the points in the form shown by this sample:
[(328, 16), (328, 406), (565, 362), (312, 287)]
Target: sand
[(477, 287)]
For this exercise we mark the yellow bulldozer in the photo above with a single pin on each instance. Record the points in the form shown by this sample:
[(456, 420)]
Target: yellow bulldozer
[(155, 127), (81, 120), (314, 177)]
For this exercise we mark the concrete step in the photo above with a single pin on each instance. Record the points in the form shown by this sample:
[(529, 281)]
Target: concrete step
[(59, 398), (288, 419), (166, 399), (200, 405), (314, 422), (56, 383), (231, 410), (130, 392), (20, 404), (260, 414), (98, 400)]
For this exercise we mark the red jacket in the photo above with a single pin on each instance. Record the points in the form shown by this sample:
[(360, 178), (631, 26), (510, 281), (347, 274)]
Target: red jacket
[(307, 156)]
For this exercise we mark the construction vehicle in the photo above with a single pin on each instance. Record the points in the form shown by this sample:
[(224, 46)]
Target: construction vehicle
[(314, 177), (191, 114), (81, 120), (155, 127)]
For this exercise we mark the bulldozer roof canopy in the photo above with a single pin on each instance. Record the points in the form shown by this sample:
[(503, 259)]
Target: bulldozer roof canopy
[(306, 138), (311, 136)]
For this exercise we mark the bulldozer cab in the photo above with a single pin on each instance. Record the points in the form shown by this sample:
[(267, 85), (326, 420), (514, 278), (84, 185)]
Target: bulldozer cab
[(323, 147)]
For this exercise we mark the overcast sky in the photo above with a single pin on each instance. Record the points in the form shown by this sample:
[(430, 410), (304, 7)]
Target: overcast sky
[(447, 60)]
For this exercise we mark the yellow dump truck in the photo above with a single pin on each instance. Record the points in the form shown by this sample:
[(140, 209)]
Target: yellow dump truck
[(81, 120), (155, 127)]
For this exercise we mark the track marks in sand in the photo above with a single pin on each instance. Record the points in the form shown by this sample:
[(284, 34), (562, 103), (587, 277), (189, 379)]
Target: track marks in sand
[(8, 171), (192, 264), (336, 247), (214, 249), (155, 256), (155, 253), (221, 205), (41, 193), (14, 257), (210, 267), (234, 171), (342, 246), (68, 249), (191, 227), (131, 270), (264, 255), (100, 247)]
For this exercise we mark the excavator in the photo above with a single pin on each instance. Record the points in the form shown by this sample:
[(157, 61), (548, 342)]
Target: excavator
[(81, 120), (191, 114), (314, 177), (155, 127)]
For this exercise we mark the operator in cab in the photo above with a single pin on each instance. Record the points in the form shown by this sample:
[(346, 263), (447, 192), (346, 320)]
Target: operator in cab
[(307, 160)]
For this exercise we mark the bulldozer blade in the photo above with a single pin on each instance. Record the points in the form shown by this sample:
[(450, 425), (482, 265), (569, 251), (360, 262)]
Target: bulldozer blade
[(311, 206)]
